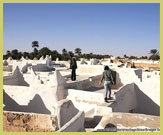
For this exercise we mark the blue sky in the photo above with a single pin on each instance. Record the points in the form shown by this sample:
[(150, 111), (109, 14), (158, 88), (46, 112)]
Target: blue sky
[(114, 29)]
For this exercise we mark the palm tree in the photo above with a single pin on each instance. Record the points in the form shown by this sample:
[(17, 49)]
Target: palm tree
[(78, 51), (64, 54), (14, 54), (35, 44), (125, 56), (8, 53), (64, 51), (54, 54), (91, 55), (154, 54), (71, 53), (153, 51)]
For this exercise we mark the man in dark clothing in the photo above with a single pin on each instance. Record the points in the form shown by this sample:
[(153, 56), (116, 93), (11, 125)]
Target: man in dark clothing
[(73, 66)]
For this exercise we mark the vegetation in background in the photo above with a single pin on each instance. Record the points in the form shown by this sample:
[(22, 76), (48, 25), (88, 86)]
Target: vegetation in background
[(15, 54)]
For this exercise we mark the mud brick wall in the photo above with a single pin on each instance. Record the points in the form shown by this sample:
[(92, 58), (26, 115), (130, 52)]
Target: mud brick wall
[(26, 122), (145, 66)]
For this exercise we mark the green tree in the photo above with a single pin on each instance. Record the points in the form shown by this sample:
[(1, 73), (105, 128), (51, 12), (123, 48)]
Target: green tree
[(44, 51), (5, 57), (91, 55), (14, 54), (25, 54), (70, 53), (154, 57), (154, 54), (132, 57), (88, 56), (125, 56), (153, 51), (35, 44), (78, 52), (31, 55), (143, 57), (118, 57), (19, 55), (64, 54), (64, 51), (35, 52), (8, 53), (54, 54)]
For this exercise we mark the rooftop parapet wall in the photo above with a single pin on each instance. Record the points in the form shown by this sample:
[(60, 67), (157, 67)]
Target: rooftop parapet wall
[(16, 79), (151, 88), (92, 81), (128, 75), (146, 104), (85, 96), (69, 118), (76, 124), (46, 96), (126, 99), (19, 64), (131, 98), (146, 61), (90, 69), (89, 102), (21, 94), (146, 66), (123, 77), (24, 99), (7, 68), (98, 70), (35, 105)]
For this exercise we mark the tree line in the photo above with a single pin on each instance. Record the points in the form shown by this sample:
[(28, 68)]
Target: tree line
[(15, 54)]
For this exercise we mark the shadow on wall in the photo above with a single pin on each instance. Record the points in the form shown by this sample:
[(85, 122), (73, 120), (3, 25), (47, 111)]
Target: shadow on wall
[(17, 80), (36, 105), (92, 122), (139, 74), (92, 83), (131, 99), (117, 81), (125, 99), (145, 105), (43, 68)]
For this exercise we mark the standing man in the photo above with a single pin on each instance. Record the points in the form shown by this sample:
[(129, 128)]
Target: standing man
[(108, 80), (73, 66)]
